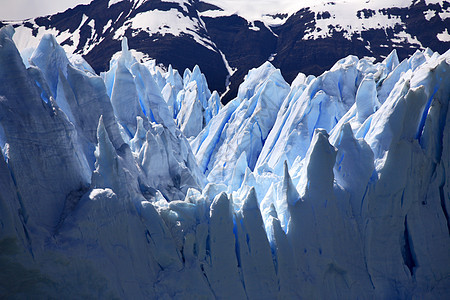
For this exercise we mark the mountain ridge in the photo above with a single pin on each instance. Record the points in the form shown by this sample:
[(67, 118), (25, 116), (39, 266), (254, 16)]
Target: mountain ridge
[(226, 46)]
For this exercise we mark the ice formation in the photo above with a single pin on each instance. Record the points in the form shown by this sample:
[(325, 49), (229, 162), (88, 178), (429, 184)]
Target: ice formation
[(139, 184)]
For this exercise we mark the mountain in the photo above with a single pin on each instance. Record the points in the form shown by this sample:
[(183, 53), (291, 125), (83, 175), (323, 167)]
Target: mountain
[(227, 42), (137, 183)]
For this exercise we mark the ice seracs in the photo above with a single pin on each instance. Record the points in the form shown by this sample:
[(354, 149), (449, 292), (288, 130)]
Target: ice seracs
[(331, 187), (195, 105), (242, 125), (316, 103), (48, 155)]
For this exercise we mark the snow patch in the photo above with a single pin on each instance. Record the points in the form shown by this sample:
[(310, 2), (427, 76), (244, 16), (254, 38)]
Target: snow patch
[(429, 14), (443, 36), (404, 37), (445, 15), (112, 2), (107, 26), (165, 22)]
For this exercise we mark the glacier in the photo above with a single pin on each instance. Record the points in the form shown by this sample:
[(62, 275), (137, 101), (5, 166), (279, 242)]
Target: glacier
[(138, 183)]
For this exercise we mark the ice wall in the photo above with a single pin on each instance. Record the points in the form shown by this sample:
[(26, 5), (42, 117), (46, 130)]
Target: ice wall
[(335, 187)]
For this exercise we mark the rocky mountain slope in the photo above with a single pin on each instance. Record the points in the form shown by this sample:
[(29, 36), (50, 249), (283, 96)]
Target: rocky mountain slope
[(309, 37)]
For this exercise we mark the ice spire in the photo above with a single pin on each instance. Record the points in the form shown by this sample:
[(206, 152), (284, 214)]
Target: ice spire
[(106, 165), (319, 161), (289, 196), (258, 268), (289, 192), (223, 274), (366, 98)]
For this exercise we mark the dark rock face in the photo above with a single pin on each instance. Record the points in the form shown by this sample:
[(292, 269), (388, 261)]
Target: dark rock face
[(314, 56), (245, 45), (181, 51)]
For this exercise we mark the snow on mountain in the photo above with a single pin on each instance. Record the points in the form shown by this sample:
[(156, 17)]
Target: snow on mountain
[(175, 21), (229, 38), (333, 186), (346, 14)]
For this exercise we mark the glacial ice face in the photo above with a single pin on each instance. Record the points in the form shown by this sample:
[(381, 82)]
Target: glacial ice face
[(150, 97), (195, 105), (143, 89), (335, 187), (322, 103), (125, 99), (51, 59), (37, 157), (163, 156), (243, 126), (190, 117), (168, 163)]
